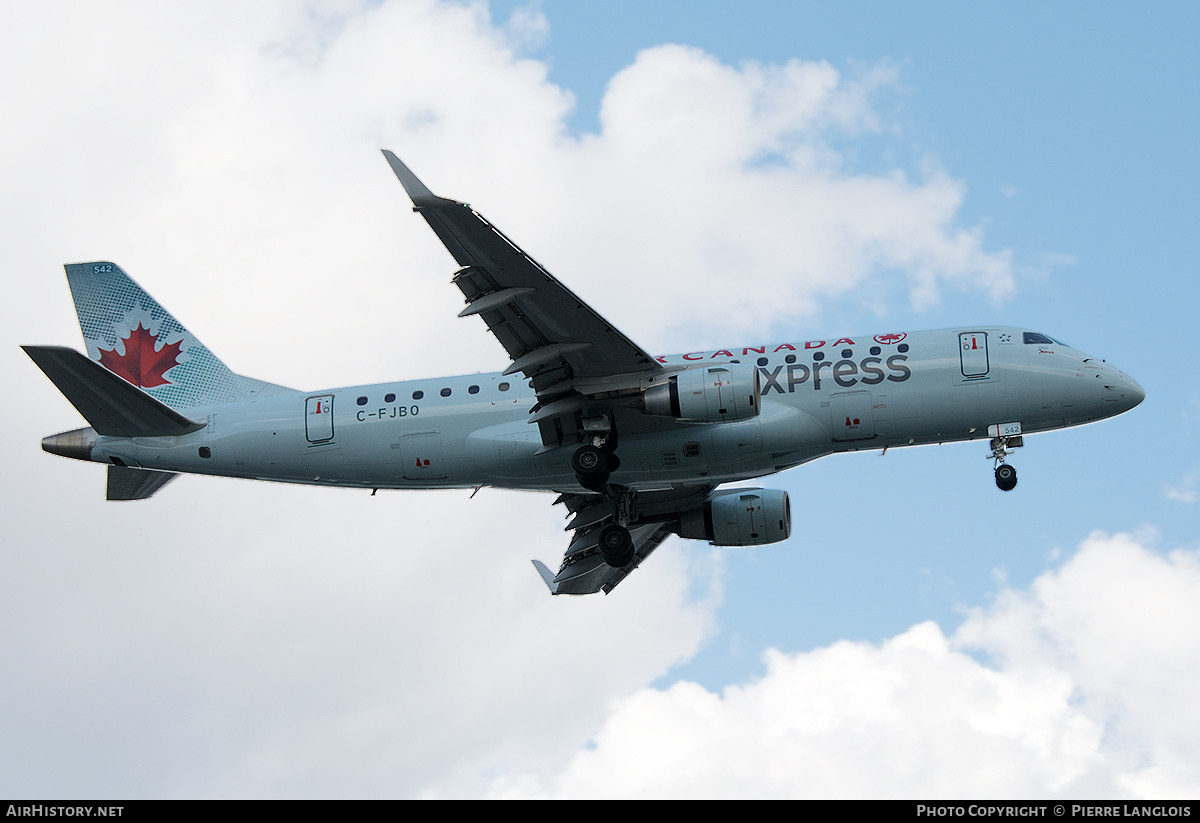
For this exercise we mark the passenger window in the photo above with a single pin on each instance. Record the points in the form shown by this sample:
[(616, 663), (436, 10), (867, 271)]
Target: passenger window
[(362, 401), (389, 398), (445, 392), (472, 390), (418, 394), (503, 387)]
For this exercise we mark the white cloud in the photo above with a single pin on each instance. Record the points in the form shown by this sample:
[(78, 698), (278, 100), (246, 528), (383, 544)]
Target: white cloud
[(331, 644), (736, 169), (527, 27), (1088, 689), (1184, 491)]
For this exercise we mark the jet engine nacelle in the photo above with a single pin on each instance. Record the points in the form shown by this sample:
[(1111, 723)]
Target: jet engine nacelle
[(710, 394), (740, 517)]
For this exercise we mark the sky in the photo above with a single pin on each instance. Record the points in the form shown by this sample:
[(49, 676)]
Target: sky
[(705, 175)]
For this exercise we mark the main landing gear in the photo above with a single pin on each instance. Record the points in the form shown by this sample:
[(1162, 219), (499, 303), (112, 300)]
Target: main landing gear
[(593, 465), (616, 545), (1006, 475)]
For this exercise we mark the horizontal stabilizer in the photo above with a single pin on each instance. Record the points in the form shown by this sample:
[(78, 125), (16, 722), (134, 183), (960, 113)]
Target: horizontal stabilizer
[(111, 405), (135, 484)]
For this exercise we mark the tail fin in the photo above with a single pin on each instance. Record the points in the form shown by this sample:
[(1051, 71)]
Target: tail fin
[(130, 334)]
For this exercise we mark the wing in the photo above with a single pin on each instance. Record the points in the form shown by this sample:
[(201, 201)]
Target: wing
[(584, 571), (589, 379), (567, 350)]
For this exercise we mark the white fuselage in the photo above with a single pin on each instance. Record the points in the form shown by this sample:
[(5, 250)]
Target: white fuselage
[(817, 398)]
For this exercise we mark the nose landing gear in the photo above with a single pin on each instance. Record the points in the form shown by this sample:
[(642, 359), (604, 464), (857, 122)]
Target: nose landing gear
[(1006, 475)]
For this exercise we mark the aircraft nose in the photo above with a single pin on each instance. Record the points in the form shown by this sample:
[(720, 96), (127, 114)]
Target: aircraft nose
[(1129, 390), (1134, 392)]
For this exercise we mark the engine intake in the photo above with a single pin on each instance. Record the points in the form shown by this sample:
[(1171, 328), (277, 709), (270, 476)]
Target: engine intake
[(710, 394), (740, 517)]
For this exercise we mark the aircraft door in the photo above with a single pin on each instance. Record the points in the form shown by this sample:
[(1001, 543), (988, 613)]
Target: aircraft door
[(973, 354), (318, 419), (852, 415)]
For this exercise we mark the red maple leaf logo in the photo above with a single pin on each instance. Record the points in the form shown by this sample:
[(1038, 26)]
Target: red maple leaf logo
[(141, 365), (890, 338)]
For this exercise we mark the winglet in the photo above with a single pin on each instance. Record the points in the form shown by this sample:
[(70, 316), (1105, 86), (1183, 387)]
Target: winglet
[(547, 576), (420, 194)]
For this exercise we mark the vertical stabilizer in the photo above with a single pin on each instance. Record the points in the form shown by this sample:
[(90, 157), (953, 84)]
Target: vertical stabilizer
[(131, 335)]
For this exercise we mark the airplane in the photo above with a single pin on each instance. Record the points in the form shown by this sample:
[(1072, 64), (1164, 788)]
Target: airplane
[(637, 446)]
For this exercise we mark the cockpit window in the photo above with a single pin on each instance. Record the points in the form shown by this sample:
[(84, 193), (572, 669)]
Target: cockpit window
[(1034, 337)]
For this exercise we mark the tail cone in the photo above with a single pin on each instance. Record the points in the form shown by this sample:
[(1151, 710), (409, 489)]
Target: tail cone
[(76, 444)]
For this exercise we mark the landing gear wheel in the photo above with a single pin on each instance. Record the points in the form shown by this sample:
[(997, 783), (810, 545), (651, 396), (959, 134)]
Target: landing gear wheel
[(616, 546), (1006, 477), (591, 466)]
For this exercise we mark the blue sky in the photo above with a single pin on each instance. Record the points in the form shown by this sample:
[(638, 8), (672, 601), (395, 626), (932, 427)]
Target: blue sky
[(705, 175)]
